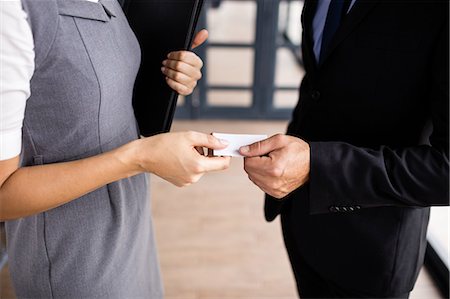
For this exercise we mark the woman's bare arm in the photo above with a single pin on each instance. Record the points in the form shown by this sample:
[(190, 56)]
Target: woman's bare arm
[(30, 190)]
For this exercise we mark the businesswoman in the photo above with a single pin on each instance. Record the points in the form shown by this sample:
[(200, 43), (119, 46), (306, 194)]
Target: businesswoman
[(73, 191)]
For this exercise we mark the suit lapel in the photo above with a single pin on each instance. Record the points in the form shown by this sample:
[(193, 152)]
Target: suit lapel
[(354, 17)]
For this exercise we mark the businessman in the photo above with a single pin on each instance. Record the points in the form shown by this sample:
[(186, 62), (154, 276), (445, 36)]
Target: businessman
[(367, 150)]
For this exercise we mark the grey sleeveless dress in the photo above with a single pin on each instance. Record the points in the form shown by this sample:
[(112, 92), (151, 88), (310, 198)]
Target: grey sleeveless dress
[(100, 245)]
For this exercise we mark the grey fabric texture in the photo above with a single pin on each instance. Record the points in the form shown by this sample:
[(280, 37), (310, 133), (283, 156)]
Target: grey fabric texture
[(100, 245)]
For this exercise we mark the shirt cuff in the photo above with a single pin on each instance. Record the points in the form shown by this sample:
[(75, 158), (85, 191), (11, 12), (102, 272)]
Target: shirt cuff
[(10, 145)]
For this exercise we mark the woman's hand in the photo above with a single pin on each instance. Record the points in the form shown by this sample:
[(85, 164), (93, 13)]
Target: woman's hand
[(173, 156), (182, 68), (176, 157)]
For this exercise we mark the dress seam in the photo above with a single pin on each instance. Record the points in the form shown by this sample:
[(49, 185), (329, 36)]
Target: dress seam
[(48, 257), (99, 85), (50, 48)]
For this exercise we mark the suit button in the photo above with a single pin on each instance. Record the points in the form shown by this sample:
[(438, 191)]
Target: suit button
[(358, 207), (351, 208), (315, 95), (344, 209), (333, 209)]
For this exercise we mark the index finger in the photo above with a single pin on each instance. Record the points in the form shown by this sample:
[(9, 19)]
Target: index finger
[(206, 140), (186, 57), (257, 164)]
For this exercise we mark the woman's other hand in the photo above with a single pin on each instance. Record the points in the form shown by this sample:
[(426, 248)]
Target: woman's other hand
[(176, 157), (183, 68)]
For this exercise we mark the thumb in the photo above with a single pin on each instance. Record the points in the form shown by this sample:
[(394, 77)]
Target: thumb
[(200, 38), (262, 148), (215, 163), (208, 141)]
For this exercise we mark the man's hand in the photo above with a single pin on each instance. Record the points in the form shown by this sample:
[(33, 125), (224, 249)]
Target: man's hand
[(277, 165), (182, 68)]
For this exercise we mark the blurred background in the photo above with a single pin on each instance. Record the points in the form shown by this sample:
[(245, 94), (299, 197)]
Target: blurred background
[(213, 241)]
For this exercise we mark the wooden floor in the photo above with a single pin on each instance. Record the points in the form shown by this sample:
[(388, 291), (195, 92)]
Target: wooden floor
[(212, 238)]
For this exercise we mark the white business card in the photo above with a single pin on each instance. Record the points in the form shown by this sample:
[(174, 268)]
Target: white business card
[(236, 141)]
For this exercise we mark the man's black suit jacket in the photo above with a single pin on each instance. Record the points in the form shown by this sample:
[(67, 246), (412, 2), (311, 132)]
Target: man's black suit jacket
[(376, 115)]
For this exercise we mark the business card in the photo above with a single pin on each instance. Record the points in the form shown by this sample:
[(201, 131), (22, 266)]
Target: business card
[(236, 141)]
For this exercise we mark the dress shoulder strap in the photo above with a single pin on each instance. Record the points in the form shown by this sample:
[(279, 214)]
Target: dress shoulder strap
[(43, 18)]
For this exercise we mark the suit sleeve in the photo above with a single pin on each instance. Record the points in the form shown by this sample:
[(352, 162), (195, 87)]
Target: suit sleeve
[(344, 177)]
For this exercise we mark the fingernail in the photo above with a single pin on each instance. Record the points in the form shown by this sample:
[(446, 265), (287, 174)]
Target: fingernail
[(245, 149), (164, 62), (163, 69), (224, 142)]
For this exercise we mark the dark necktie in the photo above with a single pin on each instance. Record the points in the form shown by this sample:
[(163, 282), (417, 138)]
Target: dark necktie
[(336, 11)]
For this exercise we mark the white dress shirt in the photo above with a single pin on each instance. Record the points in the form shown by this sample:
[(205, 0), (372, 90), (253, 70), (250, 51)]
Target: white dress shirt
[(16, 69)]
